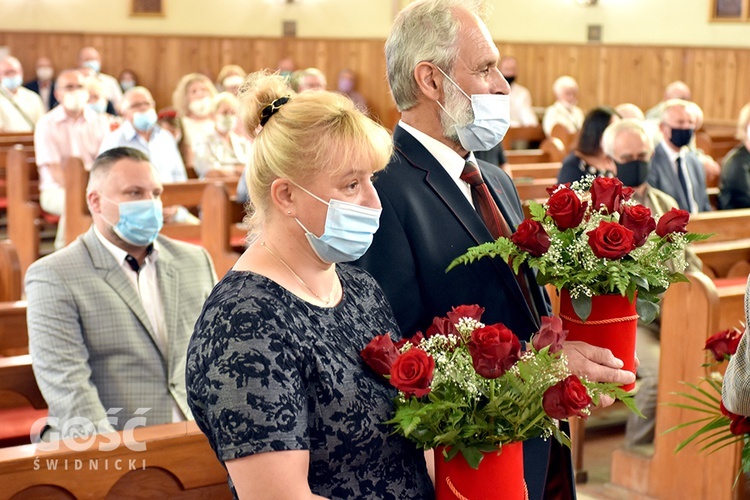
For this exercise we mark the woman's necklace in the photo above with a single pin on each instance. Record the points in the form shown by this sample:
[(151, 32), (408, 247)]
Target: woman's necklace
[(327, 302)]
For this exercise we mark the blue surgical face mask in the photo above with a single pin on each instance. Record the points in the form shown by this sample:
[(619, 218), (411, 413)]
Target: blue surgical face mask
[(491, 120), (93, 64), (144, 121), (140, 221), (98, 107), (681, 136), (12, 82), (348, 231)]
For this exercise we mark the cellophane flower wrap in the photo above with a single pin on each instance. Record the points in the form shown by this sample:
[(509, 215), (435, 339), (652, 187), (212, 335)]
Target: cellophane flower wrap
[(717, 426), (473, 387), (592, 238)]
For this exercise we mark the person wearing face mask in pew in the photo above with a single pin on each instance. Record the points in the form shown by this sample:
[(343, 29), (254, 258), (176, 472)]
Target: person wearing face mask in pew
[(224, 152), (734, 183), (44, 84), (193, 100), (110, 316), (98, 104), (140, 131), (629, 145), (70, 129), (20, 108), (674, 168)]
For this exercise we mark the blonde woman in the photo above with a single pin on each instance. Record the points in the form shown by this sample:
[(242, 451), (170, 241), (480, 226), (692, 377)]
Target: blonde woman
[(274, 374), (193, 100), (223, 153)]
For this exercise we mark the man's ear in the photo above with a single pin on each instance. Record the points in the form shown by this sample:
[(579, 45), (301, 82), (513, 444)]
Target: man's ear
[(429, 80), (94, 200)]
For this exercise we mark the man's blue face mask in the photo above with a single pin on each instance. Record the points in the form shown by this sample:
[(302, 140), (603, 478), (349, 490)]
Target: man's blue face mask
[(140, 221)]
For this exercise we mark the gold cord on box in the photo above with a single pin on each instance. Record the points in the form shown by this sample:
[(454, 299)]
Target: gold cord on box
[(327, 302)]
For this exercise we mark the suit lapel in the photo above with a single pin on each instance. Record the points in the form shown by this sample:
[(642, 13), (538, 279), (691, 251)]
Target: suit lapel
[(169, 283), (441, 183), (114, 275)]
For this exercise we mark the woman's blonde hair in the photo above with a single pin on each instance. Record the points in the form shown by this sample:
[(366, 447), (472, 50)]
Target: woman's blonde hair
[(229, 70), (312, 132), (180, 98)]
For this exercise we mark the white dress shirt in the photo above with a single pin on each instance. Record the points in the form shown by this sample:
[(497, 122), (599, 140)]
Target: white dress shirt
[(673, 155)]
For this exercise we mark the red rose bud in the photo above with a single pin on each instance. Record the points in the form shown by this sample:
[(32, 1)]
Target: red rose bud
[(494, 349), (552, 189), (414, 341), (611, 240), (412, 373), (566, 208), (567, 398), (440, 326), (723, 344), (380, 354), (608, 192), (531, 237), (473, 311), (550, 334), (739, 425), (638, 219), (724, 410), (627, 193), (674, 221)]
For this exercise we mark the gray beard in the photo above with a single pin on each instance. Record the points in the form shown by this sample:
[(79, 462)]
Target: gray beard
[(458, 112)]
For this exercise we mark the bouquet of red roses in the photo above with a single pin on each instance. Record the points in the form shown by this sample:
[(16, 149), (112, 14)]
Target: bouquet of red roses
[(718, 426), (592, 238), (472, 388)]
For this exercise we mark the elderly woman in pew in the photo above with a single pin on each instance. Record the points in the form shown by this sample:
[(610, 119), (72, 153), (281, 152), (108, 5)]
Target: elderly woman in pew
[(588, 158), (223, 153), (734, 183), (736, 387), (274, 373)]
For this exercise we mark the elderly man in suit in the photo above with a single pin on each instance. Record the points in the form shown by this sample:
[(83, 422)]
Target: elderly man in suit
[(674, 168), (438, 200), (44, 84), (110, 315)]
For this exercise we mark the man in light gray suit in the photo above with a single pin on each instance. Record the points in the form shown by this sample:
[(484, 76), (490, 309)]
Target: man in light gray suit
[(111, 314), (674, 169)]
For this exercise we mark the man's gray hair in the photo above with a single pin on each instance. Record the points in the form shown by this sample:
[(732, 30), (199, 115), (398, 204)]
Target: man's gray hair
[(125, 102), (672, 103), (626, 124), (426, 30), (563, 83)]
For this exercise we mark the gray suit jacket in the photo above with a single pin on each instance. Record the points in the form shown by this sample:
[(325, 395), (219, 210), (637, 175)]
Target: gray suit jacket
[(662, 176), (92, 343)]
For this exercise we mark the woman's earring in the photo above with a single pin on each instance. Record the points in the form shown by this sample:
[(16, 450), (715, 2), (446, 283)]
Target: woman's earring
[(289, 212)]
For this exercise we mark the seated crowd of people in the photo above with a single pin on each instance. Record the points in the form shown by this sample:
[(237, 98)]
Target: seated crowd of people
[(111, 315)]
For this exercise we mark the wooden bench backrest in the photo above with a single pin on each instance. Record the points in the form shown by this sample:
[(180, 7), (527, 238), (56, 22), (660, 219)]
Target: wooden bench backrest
[(18, 384), (10, 273), (23, 206), (14, 337), (11, 139), (547, 170), (535, 189), (728, 225), (529, 134), (177, 463), (726, 259), (568, 139), (520, 156), (554, 148), (224, 214), (691, 312)]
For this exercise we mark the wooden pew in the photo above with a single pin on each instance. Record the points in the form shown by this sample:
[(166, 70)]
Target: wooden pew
[(691, 312), (24, 212), (568, 139), (527, 134), (10, 139), (221, 237), (728, 225), (554, 148), (534, 189), (716, 140), (547, 170), (725, 259), (520, 156), (177, 462)]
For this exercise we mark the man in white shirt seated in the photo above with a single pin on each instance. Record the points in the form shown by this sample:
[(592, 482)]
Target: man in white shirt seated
[(521, 112), (20, 108), (565, 110), (88, 57)]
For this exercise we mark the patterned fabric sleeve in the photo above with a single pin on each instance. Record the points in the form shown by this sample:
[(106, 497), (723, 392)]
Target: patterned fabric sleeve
[(736, 389)]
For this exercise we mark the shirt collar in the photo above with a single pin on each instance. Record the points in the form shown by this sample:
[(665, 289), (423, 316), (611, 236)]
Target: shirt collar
[(61, 116), (452, 162), (671, 153), (119, 254)]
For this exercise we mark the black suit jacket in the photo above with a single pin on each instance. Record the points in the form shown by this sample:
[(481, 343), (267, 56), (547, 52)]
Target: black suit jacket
[(34, 86), (663, 177), (426, 223)]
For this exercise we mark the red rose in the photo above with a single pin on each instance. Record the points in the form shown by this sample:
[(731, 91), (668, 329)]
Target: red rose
[(473, 312), (531, 237), (627, 193), (606, 191), (738, 424), (567, 398), (723, 344), (566, 208), (380, 354), (412, 373), (440, 326), (550, 334), (414, 341), (493, 350), (674, 221), (638, 219), (611, 240)]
